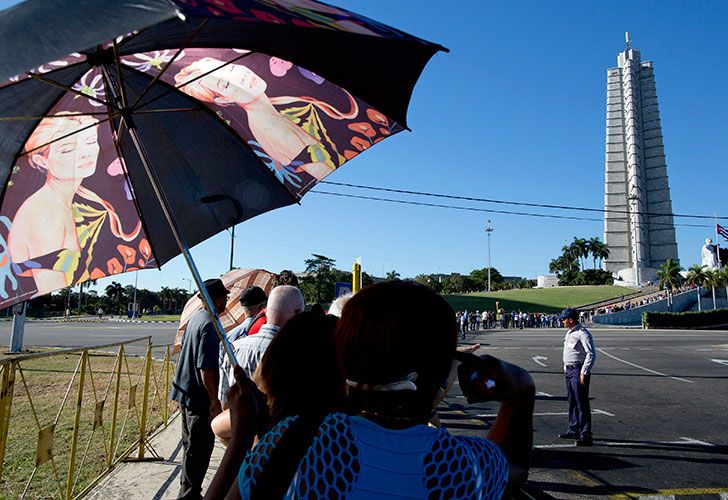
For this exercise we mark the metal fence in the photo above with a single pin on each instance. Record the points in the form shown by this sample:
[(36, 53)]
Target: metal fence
[(69, 416)]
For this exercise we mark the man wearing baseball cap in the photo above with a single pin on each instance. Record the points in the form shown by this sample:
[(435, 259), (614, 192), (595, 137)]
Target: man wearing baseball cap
[(579, 355), (195, 389)]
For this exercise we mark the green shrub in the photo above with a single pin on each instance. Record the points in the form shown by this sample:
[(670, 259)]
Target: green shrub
[(690, 319)]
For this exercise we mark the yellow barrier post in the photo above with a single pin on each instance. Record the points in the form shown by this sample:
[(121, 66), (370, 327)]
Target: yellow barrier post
[(356, 277), (166, 384), (76, 424), (145, 401), (114, 412), (7, 380)]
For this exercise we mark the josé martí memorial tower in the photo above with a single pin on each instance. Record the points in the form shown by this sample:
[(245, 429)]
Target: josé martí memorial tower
[(638, 222)]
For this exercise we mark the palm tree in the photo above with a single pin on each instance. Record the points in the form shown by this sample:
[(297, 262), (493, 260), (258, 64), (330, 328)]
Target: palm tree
[(669, 274), (392, 275), (114, 291), (601, 251), (696, 276), (594, 244), (724, 275), (580, 248), (713, 279)]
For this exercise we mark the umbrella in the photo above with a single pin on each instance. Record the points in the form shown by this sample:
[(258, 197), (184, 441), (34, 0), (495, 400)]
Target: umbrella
[(151, 125), (235, 280)]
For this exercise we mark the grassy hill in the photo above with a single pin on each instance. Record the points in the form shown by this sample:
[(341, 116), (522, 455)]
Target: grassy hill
[(537, 299)]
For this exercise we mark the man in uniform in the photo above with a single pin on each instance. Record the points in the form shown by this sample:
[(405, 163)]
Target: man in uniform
[(195, 389), (579, 355)]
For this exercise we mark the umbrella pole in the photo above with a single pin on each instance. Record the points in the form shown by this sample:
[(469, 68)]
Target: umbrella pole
[(206, 300), (126, 113)]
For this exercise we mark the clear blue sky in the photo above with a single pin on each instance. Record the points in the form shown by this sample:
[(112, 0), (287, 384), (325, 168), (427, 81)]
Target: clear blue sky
[(515, 111)]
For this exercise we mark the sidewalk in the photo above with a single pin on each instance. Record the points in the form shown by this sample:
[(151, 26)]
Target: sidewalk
[(153, 480)]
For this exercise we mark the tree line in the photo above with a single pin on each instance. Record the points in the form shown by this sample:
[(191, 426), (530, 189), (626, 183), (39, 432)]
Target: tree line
[(571, 265)]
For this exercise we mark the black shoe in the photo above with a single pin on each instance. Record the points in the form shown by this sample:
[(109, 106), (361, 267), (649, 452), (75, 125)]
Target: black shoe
[(587, 441), (569, 435)]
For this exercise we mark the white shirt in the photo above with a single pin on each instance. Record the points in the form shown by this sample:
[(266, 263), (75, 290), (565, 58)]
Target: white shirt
[(250, 350), (579, 348)]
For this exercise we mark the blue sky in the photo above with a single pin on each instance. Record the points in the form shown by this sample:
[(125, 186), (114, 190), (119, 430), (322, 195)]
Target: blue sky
[(516, 112)]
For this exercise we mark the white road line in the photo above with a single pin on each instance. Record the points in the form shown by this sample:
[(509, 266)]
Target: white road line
[(623, 444), (544, 394), (547, 414), (555, 445), (646, 369), (538, 360), (721, 361)]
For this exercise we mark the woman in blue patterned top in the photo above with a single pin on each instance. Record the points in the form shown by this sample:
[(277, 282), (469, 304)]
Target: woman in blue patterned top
[(396, 344)]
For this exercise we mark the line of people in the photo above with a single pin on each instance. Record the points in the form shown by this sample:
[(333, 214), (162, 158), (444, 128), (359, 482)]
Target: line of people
[(322, 406), (472, 321)]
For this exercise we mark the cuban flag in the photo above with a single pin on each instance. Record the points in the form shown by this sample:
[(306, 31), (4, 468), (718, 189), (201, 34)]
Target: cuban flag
[(721, 231)]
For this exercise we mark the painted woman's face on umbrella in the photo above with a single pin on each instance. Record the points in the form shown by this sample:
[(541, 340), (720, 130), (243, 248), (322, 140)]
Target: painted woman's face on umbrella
[(71, 158), (231, 84)]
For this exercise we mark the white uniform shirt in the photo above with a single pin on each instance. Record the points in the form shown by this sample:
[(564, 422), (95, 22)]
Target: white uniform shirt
[(579, 348)]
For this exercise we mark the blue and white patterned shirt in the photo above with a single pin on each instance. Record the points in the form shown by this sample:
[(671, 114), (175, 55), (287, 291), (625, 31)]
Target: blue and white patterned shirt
[(354, 458)]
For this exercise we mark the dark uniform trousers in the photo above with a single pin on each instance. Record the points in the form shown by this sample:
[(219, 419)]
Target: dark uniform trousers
[(198, 441), (578, 396)]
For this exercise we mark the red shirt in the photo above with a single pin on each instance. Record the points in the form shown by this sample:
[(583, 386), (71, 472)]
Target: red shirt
[(258, 321)]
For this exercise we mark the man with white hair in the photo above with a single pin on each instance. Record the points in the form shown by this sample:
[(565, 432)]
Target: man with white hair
[(284, 302), (337, 306)]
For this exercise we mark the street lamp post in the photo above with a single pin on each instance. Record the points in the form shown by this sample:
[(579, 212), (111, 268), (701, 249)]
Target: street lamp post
[(134, 304), (489, 230), (189, 288)]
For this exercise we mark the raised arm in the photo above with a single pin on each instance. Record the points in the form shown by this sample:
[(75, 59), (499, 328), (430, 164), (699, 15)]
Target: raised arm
[(512, 430)]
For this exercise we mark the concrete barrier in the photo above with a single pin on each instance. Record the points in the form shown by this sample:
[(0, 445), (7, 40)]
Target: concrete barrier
[(633, 317)]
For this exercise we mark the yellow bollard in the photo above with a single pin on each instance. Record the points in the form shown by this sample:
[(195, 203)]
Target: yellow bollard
[(76, 424), (112, 438), (7, 380), (166, 385), (145, 402), (356, 277)]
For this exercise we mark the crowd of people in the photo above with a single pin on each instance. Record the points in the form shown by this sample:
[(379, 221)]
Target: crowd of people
[(344, 404), (626, 306), (473, 321)]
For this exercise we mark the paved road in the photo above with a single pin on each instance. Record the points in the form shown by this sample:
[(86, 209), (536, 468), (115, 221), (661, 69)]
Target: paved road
[(46, 333), (659, 413), (659, 406)]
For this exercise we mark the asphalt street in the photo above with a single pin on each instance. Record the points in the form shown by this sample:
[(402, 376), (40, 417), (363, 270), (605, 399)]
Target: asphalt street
[(659, 410), (658, 400)]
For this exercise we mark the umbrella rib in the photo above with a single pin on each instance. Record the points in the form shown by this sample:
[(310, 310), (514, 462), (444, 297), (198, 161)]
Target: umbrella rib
[(122, 89), (178, 87), (67, 135), (68, 89), (40, 117), (174, 58)]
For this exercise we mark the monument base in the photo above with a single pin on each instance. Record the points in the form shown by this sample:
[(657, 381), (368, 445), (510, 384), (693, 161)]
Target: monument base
[(630, 277)]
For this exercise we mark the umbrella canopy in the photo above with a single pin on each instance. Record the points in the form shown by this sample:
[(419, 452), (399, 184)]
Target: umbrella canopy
[(118, 153), (235, 280)]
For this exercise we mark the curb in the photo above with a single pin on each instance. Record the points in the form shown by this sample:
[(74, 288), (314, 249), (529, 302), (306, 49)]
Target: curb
[(140, 321)]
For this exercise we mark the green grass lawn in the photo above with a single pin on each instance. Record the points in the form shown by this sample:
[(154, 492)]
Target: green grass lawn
[(537, 299), (161, 317), (40, 387)]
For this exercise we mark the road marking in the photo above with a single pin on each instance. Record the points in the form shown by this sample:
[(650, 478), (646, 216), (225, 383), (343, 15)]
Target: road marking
[(673, 493), (687, 440), (721, 361), (544, 394), (537, 360), (645, 369), (548, 414)]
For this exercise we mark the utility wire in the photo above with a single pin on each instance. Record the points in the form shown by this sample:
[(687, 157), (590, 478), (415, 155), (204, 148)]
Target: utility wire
[(522, 203), (505, 212)]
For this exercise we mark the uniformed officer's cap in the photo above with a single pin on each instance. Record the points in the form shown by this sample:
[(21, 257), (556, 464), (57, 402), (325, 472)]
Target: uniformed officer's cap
[(569, 313)]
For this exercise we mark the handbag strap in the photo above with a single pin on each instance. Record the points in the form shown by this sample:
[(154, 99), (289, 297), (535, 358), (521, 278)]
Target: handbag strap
[(283, 462)]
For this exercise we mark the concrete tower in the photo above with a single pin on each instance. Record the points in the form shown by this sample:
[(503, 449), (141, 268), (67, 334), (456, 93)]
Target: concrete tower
[(638, 223)]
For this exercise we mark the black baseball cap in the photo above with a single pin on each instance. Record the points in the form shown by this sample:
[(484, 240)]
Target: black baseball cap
[(215, 288), (252, 296), (569, 313)]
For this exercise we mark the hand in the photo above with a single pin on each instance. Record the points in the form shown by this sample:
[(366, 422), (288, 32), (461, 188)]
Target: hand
[(486, 378), (582, 378), (469, 349)]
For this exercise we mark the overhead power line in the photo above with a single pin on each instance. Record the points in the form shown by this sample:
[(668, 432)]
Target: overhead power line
[(523, 203), (487, 210)]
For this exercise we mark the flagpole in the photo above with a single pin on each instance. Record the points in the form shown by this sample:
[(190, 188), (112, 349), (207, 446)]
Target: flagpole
[(717, 239)]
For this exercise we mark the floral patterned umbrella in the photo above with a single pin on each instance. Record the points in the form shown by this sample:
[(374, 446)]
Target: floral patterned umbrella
[(126, 152)]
